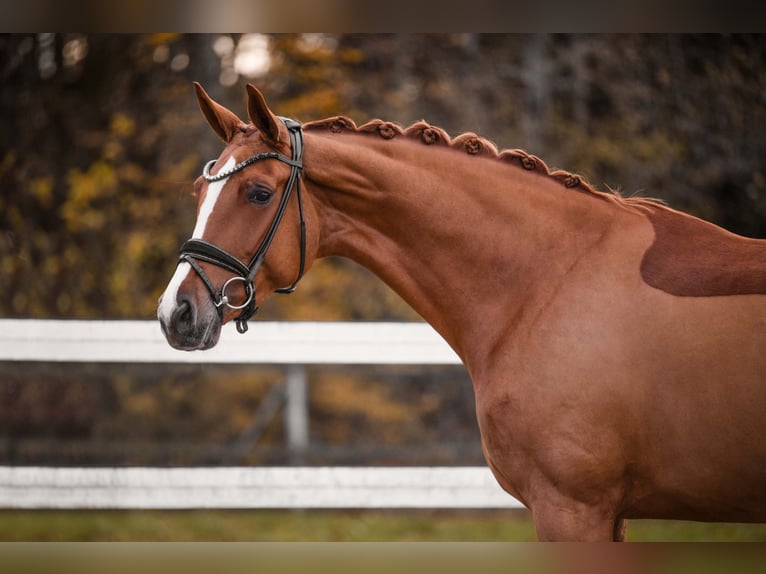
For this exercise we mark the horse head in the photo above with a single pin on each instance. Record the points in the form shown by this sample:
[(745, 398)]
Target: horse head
[(250, 238)]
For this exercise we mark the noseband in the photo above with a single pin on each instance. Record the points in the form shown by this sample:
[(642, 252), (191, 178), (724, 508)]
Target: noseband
[(195, 250)]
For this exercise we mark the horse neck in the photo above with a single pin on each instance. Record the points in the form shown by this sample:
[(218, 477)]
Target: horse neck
[(464, 240)]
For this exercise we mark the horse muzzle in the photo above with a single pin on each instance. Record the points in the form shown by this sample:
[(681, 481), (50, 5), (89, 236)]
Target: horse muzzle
[(189, 326)]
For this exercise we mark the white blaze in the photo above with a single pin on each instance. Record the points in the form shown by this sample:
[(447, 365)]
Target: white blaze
[(168, 302)]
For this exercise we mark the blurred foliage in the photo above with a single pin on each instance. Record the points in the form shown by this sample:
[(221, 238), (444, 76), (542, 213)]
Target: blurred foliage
[(101, 140)]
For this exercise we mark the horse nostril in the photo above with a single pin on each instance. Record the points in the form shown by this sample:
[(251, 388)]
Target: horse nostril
[(183, 316)]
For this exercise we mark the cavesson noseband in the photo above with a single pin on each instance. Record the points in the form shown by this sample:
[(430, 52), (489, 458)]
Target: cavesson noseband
[(195, 250)]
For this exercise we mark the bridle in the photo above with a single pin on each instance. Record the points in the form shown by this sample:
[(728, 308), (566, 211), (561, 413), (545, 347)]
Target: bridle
[(194, 250)]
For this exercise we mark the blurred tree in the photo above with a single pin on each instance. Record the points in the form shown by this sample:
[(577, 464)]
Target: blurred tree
[(92, 173)]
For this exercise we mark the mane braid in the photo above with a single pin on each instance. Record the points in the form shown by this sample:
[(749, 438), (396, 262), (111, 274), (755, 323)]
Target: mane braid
[(473, 144)]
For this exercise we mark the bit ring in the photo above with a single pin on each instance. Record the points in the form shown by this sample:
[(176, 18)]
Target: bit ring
[(225, 299)]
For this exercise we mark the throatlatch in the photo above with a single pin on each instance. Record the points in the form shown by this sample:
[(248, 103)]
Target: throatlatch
[(195, 250)]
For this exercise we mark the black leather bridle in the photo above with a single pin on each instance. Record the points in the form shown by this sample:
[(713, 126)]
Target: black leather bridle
[(195, 250)]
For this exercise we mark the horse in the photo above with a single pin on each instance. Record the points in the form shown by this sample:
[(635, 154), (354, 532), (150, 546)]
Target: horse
[(616, 347)]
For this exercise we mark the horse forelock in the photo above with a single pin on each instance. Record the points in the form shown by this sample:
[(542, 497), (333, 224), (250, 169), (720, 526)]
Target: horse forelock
[(472, 144)]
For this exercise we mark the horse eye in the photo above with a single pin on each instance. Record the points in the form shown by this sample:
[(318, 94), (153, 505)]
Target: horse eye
[(259, 195)]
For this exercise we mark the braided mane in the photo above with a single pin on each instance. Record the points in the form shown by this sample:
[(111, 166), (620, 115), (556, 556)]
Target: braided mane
[(473, 144)]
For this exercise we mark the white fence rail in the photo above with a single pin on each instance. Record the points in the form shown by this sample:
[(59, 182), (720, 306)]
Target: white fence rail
[(290, 343), (265, 343), (275, 487)]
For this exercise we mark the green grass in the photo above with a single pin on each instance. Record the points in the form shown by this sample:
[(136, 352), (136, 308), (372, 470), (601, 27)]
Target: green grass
[(307, 526)]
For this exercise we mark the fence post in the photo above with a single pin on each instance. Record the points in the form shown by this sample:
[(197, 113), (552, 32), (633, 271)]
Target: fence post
[(296, 412)]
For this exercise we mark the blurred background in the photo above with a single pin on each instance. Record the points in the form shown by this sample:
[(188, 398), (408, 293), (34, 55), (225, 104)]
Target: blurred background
[(101, 139)]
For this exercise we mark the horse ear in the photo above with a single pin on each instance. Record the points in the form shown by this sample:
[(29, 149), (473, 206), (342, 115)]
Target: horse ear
[(225, 123), (261, 115)]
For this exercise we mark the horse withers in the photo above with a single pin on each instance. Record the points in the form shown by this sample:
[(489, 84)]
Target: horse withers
[(616, 346)]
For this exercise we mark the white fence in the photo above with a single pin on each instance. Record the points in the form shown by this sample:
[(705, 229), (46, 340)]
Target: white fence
[(292, 343), (266, 487), (285, 343)]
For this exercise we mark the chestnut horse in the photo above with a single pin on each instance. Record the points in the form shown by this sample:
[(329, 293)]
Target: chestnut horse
[(617, 347)]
